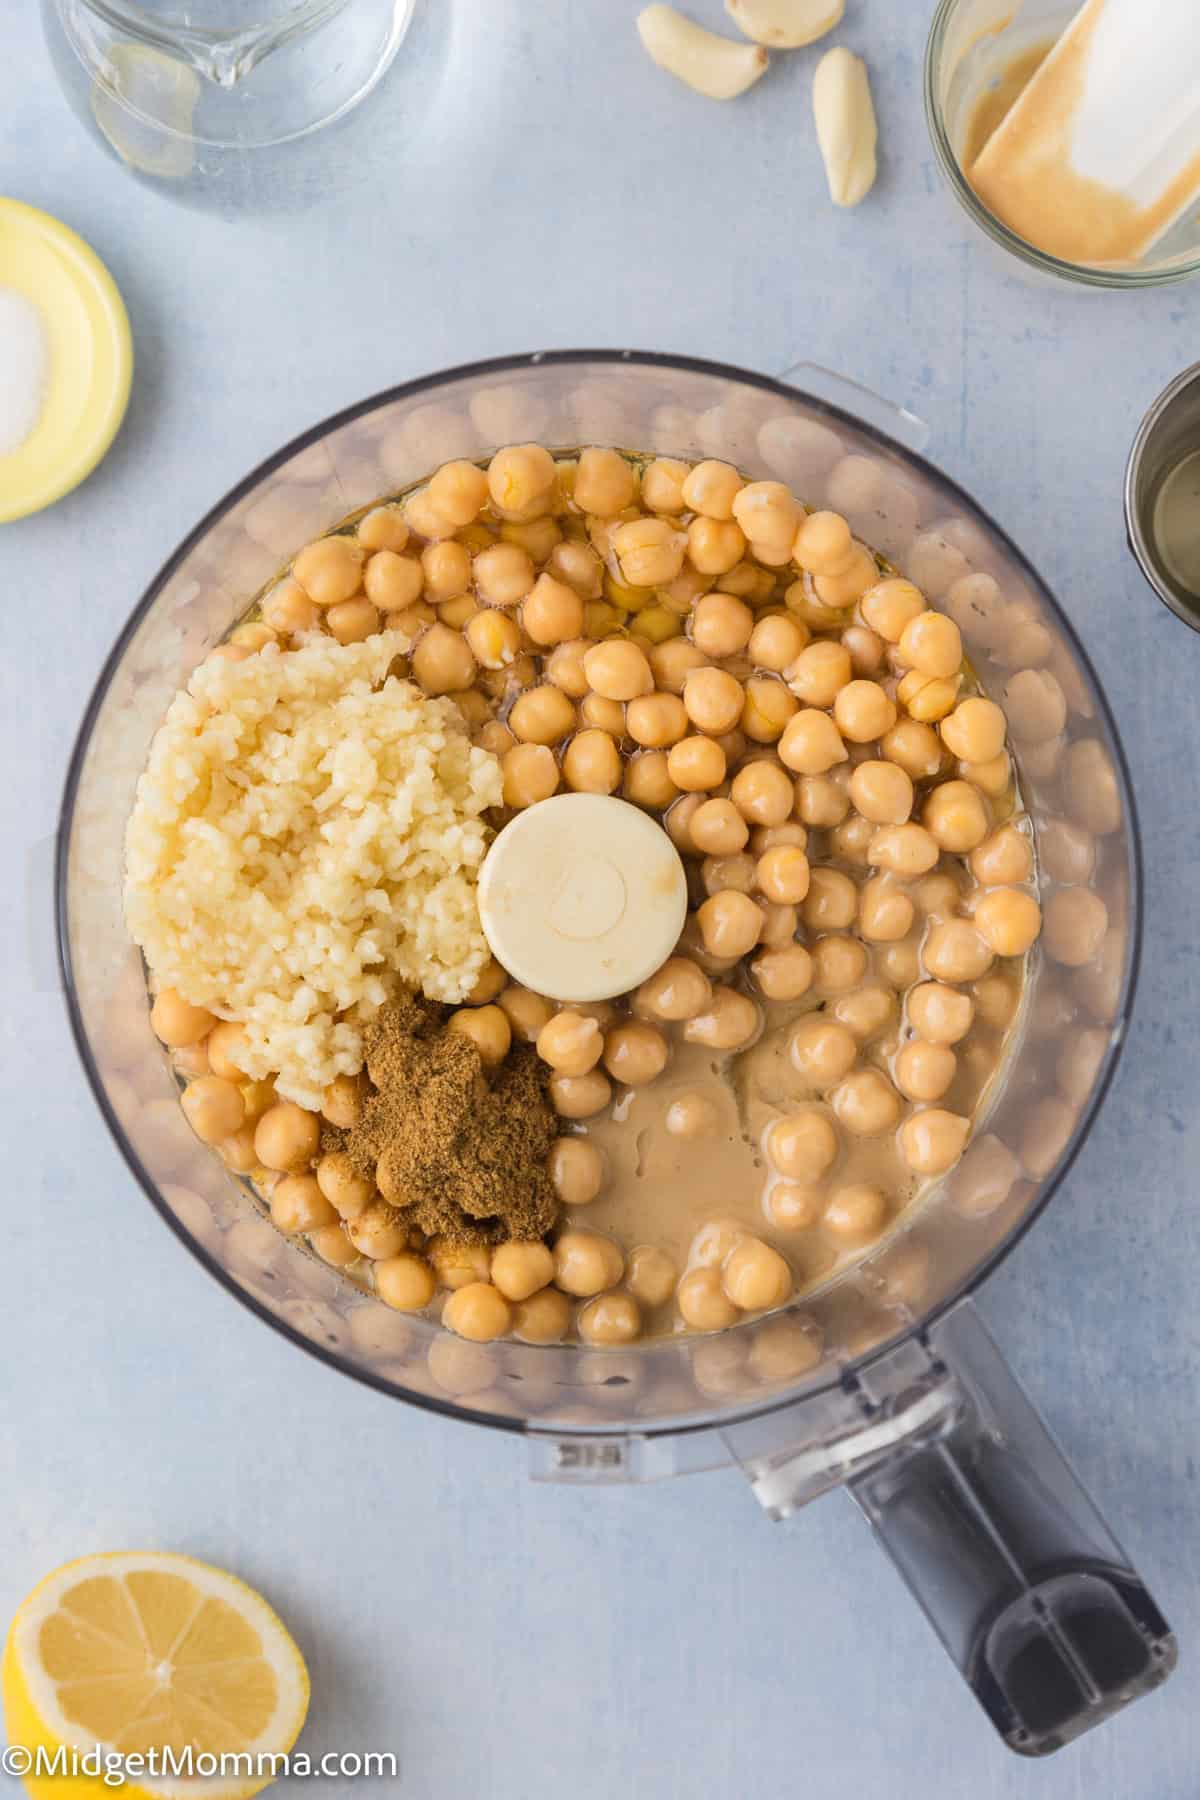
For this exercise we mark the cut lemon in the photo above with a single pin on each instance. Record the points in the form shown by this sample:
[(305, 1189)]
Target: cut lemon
[(140, 1652)]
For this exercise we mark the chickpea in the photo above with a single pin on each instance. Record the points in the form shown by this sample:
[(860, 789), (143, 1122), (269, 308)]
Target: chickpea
[(867, 650), (849, 584), (423, 517), (635, 1053), (718, 828), (592, 763), (768, 515), (781, 921), (763, 793), (543, 1318), (702, 1301), (820, 802), (775, 643), (769, 706), (714, 546), (1008, 920), (811, 743), (783, 974), (520, 1269), (341, 1103), (478, 1312), (823, 543), (914, 747), (932, 644), (520, 479), (383, 528), (442, 662), (927, 697), (585, 1263), (176, 1023), (939, 1013), (650, 1275), (526, 1012), (924, 1071), (237, 1150), (821, 1051), (604, 483), (494, 638), (866, 1103), (770, 837), (350, 621), (932, 1140), (989, 777), (656, 720), (1036, 707), (253, 637), (802, 1146), (678, 821), (650, 551), (503, 573), (866, 1011), (599, 714), (610, 1319), (330, 570), (662, 485), (831, 903), (476, 713), (213, 1107), (406, 1283), (457, 1264), (333, 1246), (392, 581), (730, 1023), (692, 1116), (677, 991), (696, 764), (856, 1213), (954, 951), (571, 1043), (564, 666), (1076, 921), (543, 715), (900, 964), (576, 1169), (863, 712), (377, 1232), (819, 673), (975, 730), (756, 1277), (792, 1206), (890, 606), (721, 625), (710, 489), (851, 840), (447, 568), (903, 850), (839, 963), (288, 609), (580, 1096), (459, 490), (883, 793), (346, 1191), (995, 1001), (782, 874), (938, 896), (885, 912), (673, 662), (957, 816), (579, 566), (488, 1029), (647, 781), (297, 1204), (287, 1137), (529, 774), (618, 670), (713, 699), (730, 924)]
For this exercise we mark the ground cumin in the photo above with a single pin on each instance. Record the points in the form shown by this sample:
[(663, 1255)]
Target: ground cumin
[(455, 1154)]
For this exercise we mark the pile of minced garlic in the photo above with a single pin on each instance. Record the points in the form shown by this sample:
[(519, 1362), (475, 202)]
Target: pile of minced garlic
[(306, 840)]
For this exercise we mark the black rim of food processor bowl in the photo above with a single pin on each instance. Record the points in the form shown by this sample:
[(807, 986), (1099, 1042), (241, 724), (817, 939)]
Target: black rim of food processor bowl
[(500, 366)]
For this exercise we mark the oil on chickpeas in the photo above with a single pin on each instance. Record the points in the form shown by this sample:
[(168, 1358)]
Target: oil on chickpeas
[(862, 887)]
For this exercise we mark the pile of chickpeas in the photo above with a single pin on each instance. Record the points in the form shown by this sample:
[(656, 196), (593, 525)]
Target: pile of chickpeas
[(804, 726)]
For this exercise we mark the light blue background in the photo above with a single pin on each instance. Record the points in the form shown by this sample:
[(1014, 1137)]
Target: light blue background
[(542, 185)]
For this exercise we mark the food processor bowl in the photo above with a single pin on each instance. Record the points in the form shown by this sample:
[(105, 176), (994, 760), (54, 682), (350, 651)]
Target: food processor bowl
[(883, 1379)]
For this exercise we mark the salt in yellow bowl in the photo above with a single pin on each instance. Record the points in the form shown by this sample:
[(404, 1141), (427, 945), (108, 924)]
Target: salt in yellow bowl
[(89, 363)]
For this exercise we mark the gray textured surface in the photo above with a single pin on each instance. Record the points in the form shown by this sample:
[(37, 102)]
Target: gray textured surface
[(506, 1639)]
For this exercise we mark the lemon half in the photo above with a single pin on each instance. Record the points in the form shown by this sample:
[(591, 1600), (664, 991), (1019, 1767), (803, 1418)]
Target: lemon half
[(138, 1651)]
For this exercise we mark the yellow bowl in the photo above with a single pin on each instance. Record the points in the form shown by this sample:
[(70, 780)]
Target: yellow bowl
[(89, 357)]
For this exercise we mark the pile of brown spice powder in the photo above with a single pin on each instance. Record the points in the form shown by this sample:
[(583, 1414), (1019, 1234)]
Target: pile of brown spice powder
[(457, 1156)]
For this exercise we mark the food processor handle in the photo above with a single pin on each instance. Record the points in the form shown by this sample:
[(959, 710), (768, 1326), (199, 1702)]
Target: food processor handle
[(862, 403), (1028, 1590)]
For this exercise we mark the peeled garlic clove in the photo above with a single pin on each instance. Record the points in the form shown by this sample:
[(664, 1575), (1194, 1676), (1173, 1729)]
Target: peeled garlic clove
[(846, 128), (785, 24), (713, 65)]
